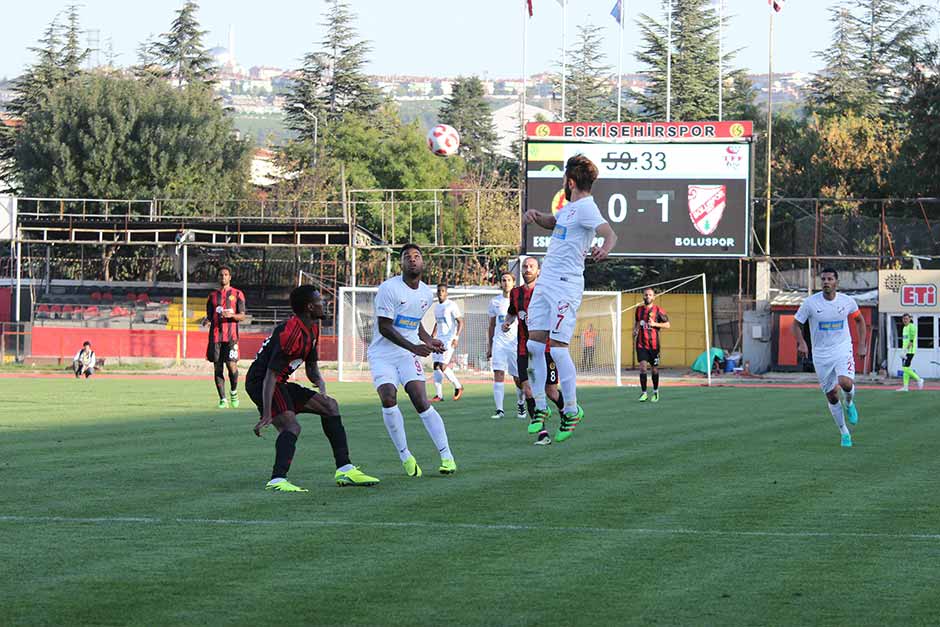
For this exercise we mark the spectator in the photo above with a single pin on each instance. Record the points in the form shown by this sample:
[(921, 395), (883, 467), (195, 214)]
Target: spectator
[(588, 340), (84, 362)]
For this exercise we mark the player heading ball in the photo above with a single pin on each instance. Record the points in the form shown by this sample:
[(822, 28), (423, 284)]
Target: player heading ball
[(557, 296)]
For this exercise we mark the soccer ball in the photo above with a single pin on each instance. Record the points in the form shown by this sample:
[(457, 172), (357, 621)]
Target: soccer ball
[(443, 140)]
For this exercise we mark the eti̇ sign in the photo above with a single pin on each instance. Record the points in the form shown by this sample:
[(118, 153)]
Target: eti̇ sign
[(908, 291)]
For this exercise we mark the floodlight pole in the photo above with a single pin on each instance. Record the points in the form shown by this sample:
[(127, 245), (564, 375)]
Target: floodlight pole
[(185, 294), (340, 335), (708, 340)]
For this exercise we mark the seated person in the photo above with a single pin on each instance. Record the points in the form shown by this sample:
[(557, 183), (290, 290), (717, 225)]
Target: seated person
[(84, 361)]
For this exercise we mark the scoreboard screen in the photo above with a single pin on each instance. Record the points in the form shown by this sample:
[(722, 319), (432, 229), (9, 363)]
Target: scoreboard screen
[(662, 199)]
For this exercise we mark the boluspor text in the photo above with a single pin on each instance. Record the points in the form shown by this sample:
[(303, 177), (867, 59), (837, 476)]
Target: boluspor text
[(704, 242)]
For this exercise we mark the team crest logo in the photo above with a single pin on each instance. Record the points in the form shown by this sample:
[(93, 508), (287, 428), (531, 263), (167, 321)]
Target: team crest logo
[(733, 157), (543, 130), (736, 130), (558, 201), (563, 307), (706, 206)]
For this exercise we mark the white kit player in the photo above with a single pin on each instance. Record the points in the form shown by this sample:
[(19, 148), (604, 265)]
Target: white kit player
[(557, 296), (399, 341), (448, 324), (501, 349), (828, 313)]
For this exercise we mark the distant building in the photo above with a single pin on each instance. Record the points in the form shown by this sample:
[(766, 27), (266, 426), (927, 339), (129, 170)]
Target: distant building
[(506, 121)]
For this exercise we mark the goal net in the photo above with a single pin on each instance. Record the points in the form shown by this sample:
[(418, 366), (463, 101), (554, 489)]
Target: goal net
[(595, 345)]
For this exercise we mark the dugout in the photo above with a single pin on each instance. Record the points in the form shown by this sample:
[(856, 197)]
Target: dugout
[(913, 292), (783, 346)]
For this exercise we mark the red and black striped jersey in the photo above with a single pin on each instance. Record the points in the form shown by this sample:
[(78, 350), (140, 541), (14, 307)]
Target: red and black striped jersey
[(648, 337), (224, 329), (519, 298), (289, 346)]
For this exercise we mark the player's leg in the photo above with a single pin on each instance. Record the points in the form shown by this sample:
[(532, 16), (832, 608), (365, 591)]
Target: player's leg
[(566, 307), (522, 365), (231, 363), (512, 367), (448, 372), (552, 390), (77, 368), (829, 382), (654, 368), (219, 376), (285, 421), (499, 391), (386, 386), (845, 377), (912, 373), (433, 423), (438, 379), (90, 370), (328, 409)]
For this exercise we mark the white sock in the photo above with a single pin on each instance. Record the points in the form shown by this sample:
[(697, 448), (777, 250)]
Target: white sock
[(839, 417), (520, 396), (567, 377), (539, 372), (499, 392), (452, 377), (849, 396), (395, 425), (347, 468), (438, 383), (435, 426)]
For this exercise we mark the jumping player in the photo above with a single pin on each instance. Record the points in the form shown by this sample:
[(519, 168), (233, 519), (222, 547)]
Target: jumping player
[(501, 349), (909, 333), (294, 342), (448, 324), (828, 313), (399, 340), (518, 310), (648, 321), (555, 301), (225, 308)]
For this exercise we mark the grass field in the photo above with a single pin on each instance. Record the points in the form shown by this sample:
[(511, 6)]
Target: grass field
[(137, 502)]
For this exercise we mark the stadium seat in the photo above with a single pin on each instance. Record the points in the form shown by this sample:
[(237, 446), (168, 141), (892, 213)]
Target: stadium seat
[(130, 297), (55, 311), (143, 298), (96, 297), (42, 311), (91, 311), (106, 297)]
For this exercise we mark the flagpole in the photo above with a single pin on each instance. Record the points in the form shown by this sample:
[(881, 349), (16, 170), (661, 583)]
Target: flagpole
[(525, 82), (620, 64), (721, 76), (770, 117), (564, 55), (669, 62)]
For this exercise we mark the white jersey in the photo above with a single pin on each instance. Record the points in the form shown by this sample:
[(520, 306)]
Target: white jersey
[(828, 324), (405, 307), (571, 240), (446, 315), (499, 308)]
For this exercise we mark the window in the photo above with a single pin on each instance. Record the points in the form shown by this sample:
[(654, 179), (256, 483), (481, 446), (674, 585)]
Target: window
[(925, 331), (898, 326)]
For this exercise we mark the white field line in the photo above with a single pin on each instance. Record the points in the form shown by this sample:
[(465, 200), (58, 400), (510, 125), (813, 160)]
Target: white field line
[(151, 520)]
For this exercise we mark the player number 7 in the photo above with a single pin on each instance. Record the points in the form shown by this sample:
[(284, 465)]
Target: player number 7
[(561, 318)]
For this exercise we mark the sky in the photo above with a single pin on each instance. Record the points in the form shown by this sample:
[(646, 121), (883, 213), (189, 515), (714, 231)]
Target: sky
[(422, 37)]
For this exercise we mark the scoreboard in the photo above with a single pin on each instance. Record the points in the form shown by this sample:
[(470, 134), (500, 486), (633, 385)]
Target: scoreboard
[(677, 197)]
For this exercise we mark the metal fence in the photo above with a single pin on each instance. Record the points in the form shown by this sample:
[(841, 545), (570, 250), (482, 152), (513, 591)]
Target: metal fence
[(14, 341)]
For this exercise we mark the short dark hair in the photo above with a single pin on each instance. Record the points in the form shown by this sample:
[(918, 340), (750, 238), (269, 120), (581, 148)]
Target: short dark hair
[(504, 273), (224, 268), (301, 296), (907, 315), (831, 271), (407, 247), (582, 171), (87, 343)]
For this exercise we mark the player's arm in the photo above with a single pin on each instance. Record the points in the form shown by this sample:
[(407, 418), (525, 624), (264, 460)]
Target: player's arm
[(239, 314), (388, 331), (862, 329), (489, 337), (432, 343), (600, 253), (459, 331), (208, 315), (636, 322), (797, 329), (312, 368), (267, 400), (511, 314), (661, 322), (544, 220)]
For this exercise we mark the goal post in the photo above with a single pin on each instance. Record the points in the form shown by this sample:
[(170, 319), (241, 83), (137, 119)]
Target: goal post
[(595, 345)]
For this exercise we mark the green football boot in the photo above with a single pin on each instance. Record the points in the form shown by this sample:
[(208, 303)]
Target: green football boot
[(643, 397), (568, 424), (283, 485), (655, 397), (448, 467), (354, 477), (223, 403), (412, 469), (233, 400), (538, 421)]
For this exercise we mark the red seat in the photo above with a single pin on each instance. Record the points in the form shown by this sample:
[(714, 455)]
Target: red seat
[(56, 311), (91, 311), (130, 297), (106, 297), (143, 298), (96, 297)]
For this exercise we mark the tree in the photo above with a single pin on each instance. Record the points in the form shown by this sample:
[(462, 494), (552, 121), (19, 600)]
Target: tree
[(181, 53), (108, 137), (917, 171), (332, 81), (588, 90), (467, 111), (694, 72), (840, 87), (72, 55)]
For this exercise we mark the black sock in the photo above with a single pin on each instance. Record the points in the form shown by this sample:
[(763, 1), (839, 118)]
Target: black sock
[(560, 401), (233, 378), (655, 380), (220, 381), (643, 381), (530, 405), (283, 454), (336, 434)]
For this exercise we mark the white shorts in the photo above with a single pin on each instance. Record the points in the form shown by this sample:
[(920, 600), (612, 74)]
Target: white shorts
[(554, 308), (505, 359), (395, 369), (829, 369), (446, 356)]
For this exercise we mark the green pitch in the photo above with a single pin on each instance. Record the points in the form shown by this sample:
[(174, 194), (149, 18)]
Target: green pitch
[(138, 502)]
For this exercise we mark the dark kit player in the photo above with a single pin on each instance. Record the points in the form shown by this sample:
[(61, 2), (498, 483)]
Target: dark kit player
[(292, 343), (650, 318), (225, 308)]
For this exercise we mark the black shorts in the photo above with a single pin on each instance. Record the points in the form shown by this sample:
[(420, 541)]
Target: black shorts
[(287, 396), (908, 359), (222, 352), (522, 365), (649, 355)]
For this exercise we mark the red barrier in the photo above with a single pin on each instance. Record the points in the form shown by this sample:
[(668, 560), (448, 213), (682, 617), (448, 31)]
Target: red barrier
[(64, 342), (6, 304)]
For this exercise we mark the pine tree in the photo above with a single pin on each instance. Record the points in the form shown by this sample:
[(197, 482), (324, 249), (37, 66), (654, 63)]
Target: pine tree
[(181, 53), (840, 87), (467, 111), (72, 54), (694, 80), (588, 96)]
